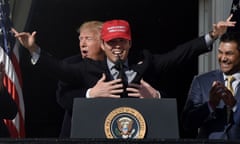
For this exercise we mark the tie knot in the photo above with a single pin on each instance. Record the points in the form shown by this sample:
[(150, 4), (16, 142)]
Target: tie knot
[(119, 65), (230, 78)]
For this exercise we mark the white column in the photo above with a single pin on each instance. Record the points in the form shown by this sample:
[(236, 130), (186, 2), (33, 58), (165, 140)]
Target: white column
[(19, 10), (211, 11)]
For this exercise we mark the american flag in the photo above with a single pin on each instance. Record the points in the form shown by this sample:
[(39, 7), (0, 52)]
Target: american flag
[(235, 10), (9, 55)]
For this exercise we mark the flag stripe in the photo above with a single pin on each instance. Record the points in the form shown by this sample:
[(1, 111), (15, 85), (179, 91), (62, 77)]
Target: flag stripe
[(12, 129), (16, 67), (13, 82)]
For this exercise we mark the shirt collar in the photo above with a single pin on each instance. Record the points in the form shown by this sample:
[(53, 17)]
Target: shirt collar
[(235, 75), (111, 65)]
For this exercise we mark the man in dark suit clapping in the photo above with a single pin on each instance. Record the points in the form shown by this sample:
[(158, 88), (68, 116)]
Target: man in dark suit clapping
[(211, 107)]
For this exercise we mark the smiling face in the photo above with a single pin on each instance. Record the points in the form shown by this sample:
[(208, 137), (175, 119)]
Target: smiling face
[(229, 57), (116, 39), (117, 48)]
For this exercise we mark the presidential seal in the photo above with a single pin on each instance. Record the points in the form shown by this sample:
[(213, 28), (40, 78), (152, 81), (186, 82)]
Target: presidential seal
[(125, 122)]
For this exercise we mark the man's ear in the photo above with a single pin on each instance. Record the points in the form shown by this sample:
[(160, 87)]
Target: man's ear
[(102, 46)]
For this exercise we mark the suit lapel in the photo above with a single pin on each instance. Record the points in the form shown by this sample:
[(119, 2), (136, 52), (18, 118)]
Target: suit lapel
[(109, 76), (237, 95), (142, 66)]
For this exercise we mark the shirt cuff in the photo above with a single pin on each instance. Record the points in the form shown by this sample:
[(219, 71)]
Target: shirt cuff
[(234, 108), (157, 95), (209, 40), (35, 56), (87, 93)]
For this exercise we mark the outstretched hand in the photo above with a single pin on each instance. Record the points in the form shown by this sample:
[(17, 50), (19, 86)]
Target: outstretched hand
[(221, 27), (26, 39)]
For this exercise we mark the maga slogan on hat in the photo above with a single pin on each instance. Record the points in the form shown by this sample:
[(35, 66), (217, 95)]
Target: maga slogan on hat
[(116, 29)]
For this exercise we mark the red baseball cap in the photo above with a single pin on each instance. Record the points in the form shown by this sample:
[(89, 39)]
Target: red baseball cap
[(115, 29)]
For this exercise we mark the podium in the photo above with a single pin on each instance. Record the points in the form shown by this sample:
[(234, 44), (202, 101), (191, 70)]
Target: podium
[(125, 118)]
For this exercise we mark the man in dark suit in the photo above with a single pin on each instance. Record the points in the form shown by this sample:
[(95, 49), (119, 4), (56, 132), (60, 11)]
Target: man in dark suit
[(8, 107), (90, 47), (210, 106)]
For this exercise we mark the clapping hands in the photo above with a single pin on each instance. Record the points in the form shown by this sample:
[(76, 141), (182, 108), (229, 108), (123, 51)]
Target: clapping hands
[(220, 92)]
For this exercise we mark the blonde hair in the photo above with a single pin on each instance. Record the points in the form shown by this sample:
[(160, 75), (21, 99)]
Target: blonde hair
[(92, 25)]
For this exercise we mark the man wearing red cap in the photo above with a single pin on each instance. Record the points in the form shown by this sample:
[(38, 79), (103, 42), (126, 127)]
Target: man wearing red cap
[(90, 47), (116, 43)]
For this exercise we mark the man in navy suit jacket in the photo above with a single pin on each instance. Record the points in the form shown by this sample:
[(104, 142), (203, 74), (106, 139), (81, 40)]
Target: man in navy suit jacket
[(208, 101)]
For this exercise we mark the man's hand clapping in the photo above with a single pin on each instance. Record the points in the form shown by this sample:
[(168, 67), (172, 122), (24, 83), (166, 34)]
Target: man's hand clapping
[(220, 92)]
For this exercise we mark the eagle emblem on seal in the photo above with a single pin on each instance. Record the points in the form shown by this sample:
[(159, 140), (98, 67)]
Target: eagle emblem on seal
[(125, 123)]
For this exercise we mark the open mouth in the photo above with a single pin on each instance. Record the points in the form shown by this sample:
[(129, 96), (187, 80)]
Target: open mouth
[(117, 52), (84, 53)]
